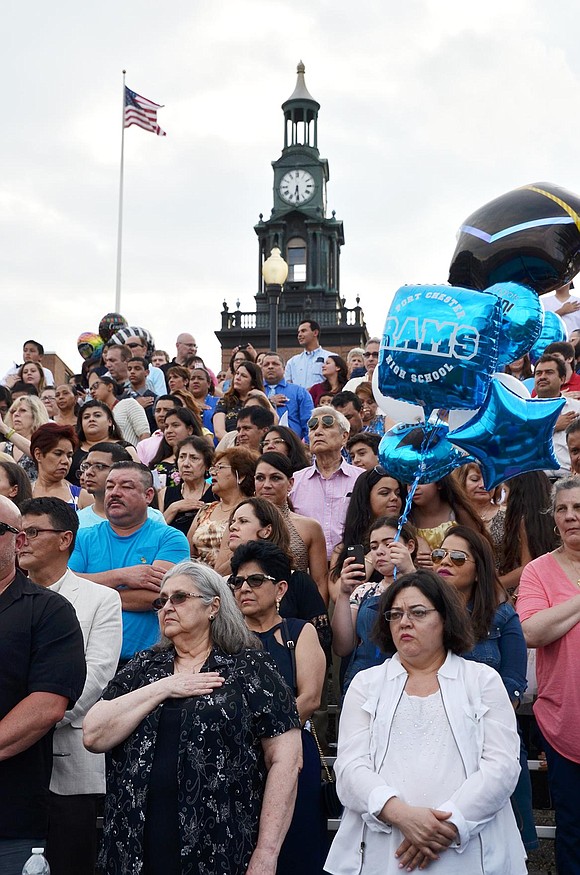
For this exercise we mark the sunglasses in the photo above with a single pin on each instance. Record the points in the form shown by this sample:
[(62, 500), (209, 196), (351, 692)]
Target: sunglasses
[(4, 527), (176, 598), (253, 580), (457, 557), (327, 421)]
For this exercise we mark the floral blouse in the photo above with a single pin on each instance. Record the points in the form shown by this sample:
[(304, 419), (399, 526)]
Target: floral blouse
[(221, 772)]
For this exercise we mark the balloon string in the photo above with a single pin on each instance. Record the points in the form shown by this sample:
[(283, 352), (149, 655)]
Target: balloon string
[(430, 433)]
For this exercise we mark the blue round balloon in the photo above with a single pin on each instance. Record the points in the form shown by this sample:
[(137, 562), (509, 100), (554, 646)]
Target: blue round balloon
[(553, 329), (440, 346), (522, 319), (406, 451)]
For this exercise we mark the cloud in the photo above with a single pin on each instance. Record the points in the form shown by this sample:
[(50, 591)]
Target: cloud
[(427, 111)]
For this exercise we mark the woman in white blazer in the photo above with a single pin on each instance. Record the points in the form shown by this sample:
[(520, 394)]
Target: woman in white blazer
[(428, 748)]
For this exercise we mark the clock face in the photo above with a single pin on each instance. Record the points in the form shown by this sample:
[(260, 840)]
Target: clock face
[(297, 187)]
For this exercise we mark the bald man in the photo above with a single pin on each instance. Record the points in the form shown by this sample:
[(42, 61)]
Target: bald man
[(186, 347), (43, 674)]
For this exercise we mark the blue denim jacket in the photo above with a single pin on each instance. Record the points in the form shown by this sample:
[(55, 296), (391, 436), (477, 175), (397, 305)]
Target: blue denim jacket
[(366, 654), (505, 650)]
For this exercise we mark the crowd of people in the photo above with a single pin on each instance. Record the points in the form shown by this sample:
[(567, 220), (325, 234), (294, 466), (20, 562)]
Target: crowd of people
[(191, 564)]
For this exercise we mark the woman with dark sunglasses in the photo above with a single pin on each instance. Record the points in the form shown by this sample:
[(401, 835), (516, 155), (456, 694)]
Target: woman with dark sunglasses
[(437, 508), (259, 580), (466, 561), (202, 738)]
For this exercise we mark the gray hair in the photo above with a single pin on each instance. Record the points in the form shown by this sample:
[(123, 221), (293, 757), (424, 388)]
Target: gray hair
[(562, 485), (373, 340), (327, 410), (228, 630)]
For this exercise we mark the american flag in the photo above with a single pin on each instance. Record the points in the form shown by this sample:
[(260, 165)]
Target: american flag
[(142, 112)]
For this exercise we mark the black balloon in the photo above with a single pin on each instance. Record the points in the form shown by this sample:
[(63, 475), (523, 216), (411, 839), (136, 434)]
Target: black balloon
[(530, 235)]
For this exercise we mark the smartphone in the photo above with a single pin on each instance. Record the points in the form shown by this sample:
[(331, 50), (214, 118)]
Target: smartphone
[(358, 551)]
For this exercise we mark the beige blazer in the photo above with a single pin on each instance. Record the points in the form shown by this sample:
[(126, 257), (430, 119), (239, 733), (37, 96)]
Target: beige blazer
[(98, 609)]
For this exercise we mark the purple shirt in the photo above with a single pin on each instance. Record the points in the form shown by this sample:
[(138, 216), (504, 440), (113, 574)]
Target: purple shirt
[(325, 499)]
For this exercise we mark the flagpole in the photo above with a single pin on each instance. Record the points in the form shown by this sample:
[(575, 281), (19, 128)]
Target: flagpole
[(120, 221)]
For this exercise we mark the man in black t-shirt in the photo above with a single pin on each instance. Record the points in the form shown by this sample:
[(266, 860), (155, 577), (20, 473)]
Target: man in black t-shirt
[(42, 673)]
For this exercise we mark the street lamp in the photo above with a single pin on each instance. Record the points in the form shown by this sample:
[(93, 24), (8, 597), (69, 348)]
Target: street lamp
[(274, 271)]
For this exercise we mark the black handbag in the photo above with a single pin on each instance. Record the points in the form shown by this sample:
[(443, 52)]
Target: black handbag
[(331, 804)]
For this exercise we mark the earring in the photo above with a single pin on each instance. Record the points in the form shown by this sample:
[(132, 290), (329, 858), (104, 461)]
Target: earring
[(557, 531), (278, 600), (211, 618)]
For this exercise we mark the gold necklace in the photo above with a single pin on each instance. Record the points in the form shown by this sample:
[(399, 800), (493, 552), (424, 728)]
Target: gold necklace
[(195, 664), (571, 562)]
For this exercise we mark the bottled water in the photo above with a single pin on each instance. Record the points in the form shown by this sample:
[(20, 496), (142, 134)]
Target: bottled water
[(37, 864)]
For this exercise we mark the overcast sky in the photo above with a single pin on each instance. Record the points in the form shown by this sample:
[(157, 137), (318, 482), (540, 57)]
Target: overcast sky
[(429, 109)]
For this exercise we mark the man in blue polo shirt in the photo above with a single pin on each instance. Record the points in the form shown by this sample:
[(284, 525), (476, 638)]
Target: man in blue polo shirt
[(286, 397), (130, 552)]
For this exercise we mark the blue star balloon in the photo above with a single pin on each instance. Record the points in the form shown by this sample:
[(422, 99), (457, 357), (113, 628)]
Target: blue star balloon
[(440, 347), (510, 435), (410, 450), (522, 320), (554, 329)]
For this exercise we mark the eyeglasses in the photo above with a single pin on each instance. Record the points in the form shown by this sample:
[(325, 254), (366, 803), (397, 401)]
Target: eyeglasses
[(396, 615), (96, 385), (253, 581), (33, 532), (218, 468), (176, 598), (458, 557), (99, 466), (135, 345), (4, 527), (276, 441), (327, 421), (370, 355)]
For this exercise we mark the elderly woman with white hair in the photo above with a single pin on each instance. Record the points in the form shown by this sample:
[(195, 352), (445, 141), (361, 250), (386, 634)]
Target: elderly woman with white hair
[(204, 742)]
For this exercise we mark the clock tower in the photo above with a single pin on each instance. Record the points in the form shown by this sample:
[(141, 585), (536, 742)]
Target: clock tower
[(309, 241)]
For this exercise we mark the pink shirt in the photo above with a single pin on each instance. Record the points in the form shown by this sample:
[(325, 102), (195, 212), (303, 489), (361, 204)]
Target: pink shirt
[(147, 448), (325, 500), (557, 708)]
